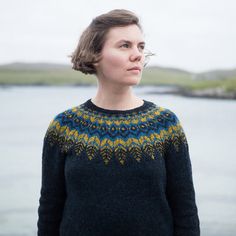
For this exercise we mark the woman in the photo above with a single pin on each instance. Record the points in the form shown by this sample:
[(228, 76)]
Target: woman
[(116, 164)]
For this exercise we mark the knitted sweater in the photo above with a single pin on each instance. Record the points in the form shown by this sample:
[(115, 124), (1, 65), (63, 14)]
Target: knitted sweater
[(116, 173)]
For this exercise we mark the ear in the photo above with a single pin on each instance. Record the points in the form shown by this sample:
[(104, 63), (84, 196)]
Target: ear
[(97, 59), (95, 64)]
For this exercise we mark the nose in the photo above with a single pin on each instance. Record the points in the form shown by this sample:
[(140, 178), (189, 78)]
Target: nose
[(136, 54)]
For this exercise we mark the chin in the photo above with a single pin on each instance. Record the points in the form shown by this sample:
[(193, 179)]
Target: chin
[(133, 81), (136, 82)]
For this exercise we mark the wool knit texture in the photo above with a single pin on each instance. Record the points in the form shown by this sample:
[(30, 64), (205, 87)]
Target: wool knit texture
[(117, 173)]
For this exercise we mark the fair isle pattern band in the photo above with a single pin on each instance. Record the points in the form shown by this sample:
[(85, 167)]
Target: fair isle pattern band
[(109, 136)]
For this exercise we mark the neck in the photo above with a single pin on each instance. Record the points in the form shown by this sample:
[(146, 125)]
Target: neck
[(116, 97)]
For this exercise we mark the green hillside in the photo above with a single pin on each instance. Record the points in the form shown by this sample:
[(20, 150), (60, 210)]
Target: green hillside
[(57, 74)]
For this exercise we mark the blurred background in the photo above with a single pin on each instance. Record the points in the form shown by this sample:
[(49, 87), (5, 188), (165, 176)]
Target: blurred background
[(193, 73)]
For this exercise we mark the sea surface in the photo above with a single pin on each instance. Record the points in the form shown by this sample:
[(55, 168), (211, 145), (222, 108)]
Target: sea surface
[(25, 113)]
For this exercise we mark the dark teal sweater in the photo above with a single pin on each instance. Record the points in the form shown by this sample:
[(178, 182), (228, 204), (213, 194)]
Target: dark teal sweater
[(117, 173)]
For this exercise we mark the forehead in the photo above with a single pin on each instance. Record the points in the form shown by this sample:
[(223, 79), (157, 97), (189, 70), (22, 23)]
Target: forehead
[(130, 33)]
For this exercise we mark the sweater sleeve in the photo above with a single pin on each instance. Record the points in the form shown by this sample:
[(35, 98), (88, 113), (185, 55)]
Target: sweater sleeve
[(52, 195), (180, 189)]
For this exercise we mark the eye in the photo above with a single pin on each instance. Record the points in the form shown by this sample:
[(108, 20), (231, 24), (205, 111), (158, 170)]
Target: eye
[(125, 45), (142, 47)]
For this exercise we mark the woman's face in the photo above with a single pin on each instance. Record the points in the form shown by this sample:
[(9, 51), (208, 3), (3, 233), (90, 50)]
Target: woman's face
[(122, 56)]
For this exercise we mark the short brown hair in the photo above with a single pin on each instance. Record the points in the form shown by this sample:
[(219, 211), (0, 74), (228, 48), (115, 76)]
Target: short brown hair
[(92, 39)]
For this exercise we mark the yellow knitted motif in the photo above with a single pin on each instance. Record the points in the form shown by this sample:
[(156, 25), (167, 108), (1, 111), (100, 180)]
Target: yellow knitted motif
[(123, 145)]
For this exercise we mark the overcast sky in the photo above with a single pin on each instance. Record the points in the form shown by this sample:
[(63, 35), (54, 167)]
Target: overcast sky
[(195, 35)]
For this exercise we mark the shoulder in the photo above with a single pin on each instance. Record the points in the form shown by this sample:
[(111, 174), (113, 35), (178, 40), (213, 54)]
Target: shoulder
[(62, 122), (170, 124), (166, 115)]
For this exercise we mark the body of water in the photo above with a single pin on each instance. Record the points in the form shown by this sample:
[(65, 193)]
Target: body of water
[(210, 127)]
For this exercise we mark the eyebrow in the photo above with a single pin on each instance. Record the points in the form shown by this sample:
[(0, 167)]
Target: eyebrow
[(127, 41)]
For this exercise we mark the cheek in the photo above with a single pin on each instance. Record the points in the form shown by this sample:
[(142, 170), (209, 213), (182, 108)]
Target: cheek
[(114, 59)]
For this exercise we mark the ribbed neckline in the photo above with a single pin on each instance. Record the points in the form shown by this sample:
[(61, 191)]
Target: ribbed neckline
[(91, 105)]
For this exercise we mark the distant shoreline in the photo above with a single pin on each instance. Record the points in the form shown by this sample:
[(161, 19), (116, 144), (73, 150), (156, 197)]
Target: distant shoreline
[(216, 84), (211, 93)]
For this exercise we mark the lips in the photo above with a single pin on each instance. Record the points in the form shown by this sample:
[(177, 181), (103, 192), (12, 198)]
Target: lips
[(135, 68)]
